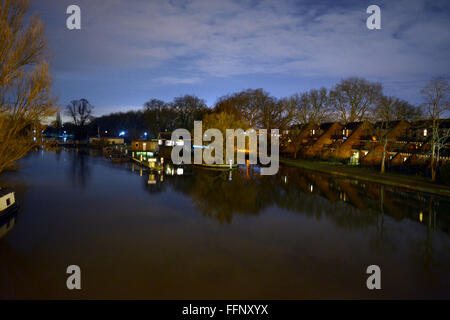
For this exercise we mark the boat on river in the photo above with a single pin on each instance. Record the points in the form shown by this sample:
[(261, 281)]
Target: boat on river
[(7, 202)]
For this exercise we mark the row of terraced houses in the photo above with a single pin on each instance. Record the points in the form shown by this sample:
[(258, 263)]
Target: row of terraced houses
[(360, 142)]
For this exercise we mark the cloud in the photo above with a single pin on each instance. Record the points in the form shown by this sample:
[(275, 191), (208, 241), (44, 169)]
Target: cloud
[(176, 80), (207, 39)]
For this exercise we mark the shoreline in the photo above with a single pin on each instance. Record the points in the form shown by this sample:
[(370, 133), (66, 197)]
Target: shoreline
[(408, 182)]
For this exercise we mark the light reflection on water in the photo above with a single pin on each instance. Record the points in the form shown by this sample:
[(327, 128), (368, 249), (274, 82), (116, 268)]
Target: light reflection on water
[(202, 234)]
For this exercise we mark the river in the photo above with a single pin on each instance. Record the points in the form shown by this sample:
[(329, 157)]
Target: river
[(202, 234)]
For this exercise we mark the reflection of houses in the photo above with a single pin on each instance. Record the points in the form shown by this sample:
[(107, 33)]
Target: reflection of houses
[(361, 142)]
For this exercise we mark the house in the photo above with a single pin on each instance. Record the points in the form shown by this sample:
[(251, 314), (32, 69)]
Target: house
[(324, 139), (373, 153), (354, 136), (297, 137)]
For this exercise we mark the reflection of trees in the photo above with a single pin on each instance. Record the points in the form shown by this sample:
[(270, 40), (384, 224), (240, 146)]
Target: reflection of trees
[(218, 197), (79, 167), (349, 203)]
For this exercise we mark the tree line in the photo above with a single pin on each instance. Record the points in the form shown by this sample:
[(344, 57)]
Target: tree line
[(351, 100)]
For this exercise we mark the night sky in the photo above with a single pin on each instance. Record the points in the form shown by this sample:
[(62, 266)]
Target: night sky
[(129, 51)]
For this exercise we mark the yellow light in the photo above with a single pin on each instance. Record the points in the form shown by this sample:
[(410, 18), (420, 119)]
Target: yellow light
[(420, 216)]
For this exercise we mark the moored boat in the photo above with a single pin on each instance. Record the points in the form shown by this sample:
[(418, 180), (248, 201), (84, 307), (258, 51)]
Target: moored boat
[(7, 202)]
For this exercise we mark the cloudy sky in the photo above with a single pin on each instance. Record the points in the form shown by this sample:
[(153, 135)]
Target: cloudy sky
[(129, 51)]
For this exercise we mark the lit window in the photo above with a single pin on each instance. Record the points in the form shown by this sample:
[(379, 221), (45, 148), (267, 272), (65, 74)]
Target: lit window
[(425, 132)]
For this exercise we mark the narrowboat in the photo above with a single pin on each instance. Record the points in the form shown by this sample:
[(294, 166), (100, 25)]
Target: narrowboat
[(7, 202)]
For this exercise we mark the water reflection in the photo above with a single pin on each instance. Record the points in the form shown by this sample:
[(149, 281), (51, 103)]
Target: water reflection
[(349, 203), (7, 223), (205, 234), (79, 167)]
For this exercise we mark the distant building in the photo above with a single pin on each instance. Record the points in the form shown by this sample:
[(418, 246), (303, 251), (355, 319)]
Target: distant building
[(144, 145), (106, 141)]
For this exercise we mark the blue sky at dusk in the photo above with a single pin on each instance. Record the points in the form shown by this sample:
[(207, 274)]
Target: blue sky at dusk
[(129, 51)]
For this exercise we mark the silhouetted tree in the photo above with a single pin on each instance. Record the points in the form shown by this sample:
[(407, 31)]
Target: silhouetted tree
[(188, 108), (81, 113), (353, 99), (312, 107)]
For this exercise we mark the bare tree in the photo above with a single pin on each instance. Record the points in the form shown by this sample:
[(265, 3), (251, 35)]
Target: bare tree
[(25, 83), (81, 113), (385, 113), (312, 107), (353, 98), (188, 109), (160, 116), (406, 111), (436, 95)]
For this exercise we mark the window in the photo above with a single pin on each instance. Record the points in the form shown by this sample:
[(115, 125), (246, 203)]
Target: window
[(8, 202)]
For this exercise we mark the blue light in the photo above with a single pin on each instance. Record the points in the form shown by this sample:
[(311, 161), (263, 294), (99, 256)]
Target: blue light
[(145, 133), (122, 133)]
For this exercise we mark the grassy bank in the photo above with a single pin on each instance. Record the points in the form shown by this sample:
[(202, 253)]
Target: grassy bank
[(394, 179)]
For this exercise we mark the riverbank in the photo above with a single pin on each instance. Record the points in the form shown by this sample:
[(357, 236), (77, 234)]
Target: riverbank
[(394, 179)]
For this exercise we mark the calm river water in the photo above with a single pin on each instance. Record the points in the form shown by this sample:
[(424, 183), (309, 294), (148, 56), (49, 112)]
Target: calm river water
[(206, 235)]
